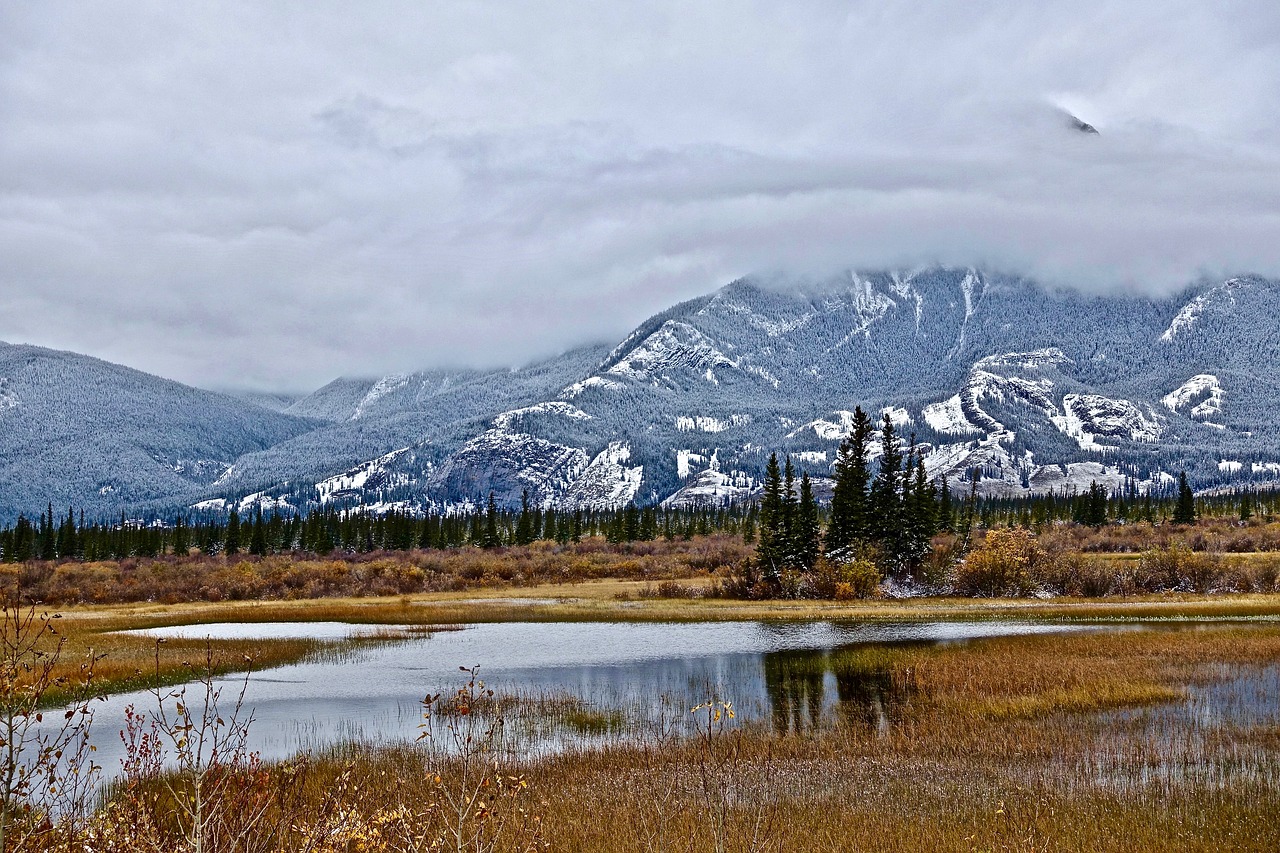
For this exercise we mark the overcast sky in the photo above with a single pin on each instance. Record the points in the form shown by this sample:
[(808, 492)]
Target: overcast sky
[(234, 196)]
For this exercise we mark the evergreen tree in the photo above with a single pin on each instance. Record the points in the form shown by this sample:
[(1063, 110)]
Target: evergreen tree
[(787, 525), (258, 536), (491, 538), (181, 537), (771, 547), (524, 526), (1185, 510), (885, 497), (849, 511), (231, 545), (805, 529)]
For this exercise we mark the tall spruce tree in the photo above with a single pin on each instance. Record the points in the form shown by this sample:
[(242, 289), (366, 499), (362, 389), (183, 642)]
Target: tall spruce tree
[(231, 544), (787, 526), (849, 511), (1185, 510), (805, 532), (885, 497), (771, 546), (524, 525), (491, 538)]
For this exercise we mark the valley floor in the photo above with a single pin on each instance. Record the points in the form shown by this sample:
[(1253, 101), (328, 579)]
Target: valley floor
[(1125, 741)]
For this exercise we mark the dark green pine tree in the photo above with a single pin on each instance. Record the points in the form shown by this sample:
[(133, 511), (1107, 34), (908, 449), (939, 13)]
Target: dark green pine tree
[(524, 524), (1246, 506), (849, 512), (181, 537), (771, 546), (805, 531), (258, 535), (920, 513), (787, 526), (231, 544), (885, 498), (491, 537), (1185, 510)]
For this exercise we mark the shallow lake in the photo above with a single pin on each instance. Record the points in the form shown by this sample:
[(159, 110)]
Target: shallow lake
[(776, 672)]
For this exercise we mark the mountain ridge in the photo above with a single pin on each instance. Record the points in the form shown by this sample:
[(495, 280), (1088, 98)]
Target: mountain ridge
[(1038, 388)]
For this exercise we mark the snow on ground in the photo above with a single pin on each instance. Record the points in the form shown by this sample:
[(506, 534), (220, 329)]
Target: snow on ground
[(674, 346), (712, 487), (1266, 467), (510, 420), (685, 459), (8, 399), (1204, 390), (1230, 466)]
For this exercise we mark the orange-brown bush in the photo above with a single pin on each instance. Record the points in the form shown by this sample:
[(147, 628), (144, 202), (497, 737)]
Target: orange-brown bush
[(1004, 563), (200, 578)]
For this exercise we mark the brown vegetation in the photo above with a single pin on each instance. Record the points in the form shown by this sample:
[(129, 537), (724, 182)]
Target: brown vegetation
[(199, 578), (992, 745)]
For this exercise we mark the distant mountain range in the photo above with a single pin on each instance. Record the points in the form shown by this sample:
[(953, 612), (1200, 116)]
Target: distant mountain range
[(1039, 389)]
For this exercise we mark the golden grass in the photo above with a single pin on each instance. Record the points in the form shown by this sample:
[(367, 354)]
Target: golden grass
[(991, 745)]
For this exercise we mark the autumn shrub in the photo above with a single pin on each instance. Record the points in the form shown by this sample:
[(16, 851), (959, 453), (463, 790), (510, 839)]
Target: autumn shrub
[(1178, 567), (1004, 563), (845, 581), (1073, 573)]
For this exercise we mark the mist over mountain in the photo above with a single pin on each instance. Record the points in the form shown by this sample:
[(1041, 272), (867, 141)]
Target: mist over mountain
[(1039, 389)]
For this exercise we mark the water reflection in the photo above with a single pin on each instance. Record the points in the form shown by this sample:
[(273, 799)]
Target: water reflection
[(792, 676), (806, 689)]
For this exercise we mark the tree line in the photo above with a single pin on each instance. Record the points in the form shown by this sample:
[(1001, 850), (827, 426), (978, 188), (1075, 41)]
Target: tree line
[(69, 537)]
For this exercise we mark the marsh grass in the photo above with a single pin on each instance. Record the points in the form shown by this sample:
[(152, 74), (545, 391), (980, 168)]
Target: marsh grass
[(1036, 743)]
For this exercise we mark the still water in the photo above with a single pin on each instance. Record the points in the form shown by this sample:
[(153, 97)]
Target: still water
[(778, 673)]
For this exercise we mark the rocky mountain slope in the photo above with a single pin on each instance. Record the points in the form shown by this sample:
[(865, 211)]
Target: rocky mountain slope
[(1038, 389)]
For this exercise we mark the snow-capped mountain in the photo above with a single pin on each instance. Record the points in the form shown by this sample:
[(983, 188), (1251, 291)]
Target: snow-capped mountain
[(1039, 389)]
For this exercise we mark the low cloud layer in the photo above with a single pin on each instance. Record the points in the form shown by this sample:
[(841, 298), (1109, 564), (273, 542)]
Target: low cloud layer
[(244, 196)]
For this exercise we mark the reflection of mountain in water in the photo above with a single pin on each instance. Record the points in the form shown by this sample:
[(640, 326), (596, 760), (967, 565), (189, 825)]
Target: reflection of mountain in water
[(798, 682)]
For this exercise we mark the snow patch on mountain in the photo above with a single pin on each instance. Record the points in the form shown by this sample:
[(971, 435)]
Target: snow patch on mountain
[(685, 460), (1186, 318), (511, 419), (948, 417), (8, 399), (700, 423), (675, 346), (832, 429), (590, 382), (812, 457), (368, 475), (1203, 390), (897, 415), (607, 482), (713, 488), (384, 386), (1087, 416), (1230, 466)]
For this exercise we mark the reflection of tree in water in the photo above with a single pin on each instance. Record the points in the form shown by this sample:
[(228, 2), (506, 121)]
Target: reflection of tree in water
[(793, 682), (866, 692)]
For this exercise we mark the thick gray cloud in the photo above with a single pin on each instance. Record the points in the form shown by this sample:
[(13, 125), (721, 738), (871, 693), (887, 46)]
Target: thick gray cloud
[(270, 195)]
